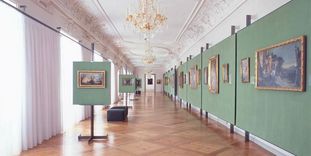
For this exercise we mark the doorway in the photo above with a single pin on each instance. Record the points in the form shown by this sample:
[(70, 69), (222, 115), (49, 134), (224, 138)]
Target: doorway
[(150, 82)]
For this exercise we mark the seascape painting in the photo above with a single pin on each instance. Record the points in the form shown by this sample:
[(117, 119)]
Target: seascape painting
[(281, 67), (91, 79)]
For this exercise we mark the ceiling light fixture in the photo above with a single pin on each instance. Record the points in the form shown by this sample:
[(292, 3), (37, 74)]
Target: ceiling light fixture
[(148, 58), (147, 18)]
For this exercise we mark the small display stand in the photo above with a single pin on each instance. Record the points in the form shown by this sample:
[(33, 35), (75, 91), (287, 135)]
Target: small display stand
[(91, 87), (127, 84)]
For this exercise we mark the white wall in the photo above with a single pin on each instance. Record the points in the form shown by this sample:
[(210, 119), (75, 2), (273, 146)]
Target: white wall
[(140, 72), (151, 86), (256, 8)]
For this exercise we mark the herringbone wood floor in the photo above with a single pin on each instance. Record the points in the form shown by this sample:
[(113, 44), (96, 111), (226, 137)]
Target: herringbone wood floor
[(156, 126)]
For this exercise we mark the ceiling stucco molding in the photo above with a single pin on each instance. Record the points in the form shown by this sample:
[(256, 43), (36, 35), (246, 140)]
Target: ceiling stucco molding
[(210, 14), (78, 18)]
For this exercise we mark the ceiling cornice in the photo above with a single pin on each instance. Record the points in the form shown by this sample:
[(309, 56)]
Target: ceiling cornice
[(190, 19), (76, 14)]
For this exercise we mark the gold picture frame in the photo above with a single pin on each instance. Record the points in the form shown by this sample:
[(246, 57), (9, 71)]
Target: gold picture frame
[(213, 71), (225, 73), (181, 79), (244, 70), (194, 77), (206, 75), (282, 66), (91, 78)]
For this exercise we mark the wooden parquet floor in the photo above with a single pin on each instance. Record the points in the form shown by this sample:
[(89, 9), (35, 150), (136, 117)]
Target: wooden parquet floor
[(155, 127)]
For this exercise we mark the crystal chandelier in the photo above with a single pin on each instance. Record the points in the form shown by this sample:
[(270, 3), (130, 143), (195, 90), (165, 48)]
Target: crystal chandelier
[(147, 18), (148, 58)]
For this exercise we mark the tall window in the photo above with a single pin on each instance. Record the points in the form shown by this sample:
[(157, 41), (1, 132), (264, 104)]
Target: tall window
[(70, 52), (12, 90)]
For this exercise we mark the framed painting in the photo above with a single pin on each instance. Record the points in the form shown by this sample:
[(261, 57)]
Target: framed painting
[(181, 79), (225, 73), (91, 79), (158, 81), (244, 70), (282, 66), (206, 75), (138, 83), (194, 77), (127, 81), (150, 81), (166, 81), (213, 84)]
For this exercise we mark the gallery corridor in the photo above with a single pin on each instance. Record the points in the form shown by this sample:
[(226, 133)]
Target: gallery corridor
[(155, 126)]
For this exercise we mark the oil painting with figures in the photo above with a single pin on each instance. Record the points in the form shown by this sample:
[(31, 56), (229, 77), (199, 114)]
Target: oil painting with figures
[(91, 79), (193, 77), (245, 70), (213, 74), (281, 67)]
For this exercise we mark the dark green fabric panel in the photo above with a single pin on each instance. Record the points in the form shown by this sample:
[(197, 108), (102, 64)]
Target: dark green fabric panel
[(194, 94), (280, 117), (127, 89), (88, 96), (222, 104)]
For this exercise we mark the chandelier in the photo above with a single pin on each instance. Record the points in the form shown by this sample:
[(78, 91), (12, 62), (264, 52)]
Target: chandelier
[(148, 58), (147, 18)]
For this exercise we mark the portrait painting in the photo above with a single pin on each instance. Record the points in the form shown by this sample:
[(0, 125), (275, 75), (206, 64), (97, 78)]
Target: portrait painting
[(138, 82), (206, 75), (193, 77), (91, 79), (213, 84), (282, 66), (225, 73), (181, 79), (244, 70), (150, 81), (127, 81)]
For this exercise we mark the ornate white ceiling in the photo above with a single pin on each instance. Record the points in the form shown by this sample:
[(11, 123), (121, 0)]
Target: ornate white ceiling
[(188, 21)]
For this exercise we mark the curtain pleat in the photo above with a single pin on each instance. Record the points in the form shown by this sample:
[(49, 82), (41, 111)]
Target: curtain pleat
[(42, 110)]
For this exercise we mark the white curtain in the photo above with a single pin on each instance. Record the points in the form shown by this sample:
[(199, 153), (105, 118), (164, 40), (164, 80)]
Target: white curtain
[(41, 114), (113, 83), (70, 52), (12, 90)]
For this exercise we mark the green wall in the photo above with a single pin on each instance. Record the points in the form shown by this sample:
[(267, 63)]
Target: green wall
[(86, 96), (127, 89), (182, 92), (194, 95), (279, 117), (223, 104)]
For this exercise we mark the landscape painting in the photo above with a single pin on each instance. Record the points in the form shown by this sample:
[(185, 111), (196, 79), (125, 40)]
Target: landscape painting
[(282, 66), (244, 70), (91, 79), (127, 81), (213, 75)]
